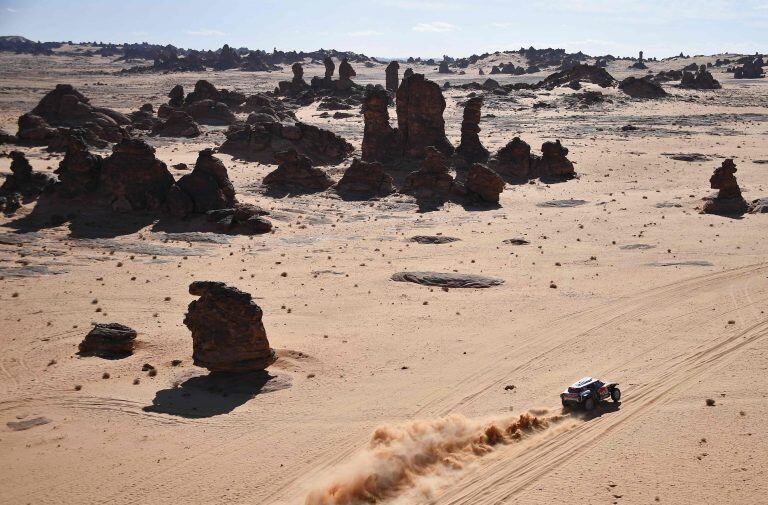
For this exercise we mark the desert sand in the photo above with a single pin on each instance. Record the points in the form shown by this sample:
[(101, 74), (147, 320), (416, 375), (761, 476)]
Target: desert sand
[(390, 386)]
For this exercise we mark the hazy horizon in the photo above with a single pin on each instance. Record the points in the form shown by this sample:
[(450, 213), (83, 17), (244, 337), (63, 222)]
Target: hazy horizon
[(403, 28)]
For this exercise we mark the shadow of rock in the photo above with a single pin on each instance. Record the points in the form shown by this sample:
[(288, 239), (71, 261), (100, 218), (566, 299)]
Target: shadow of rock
[(216, 393)]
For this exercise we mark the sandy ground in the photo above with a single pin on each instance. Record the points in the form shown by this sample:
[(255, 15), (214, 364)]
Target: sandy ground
[(650, 293)]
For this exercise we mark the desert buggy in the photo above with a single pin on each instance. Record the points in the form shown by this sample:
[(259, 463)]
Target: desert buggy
[(588, 392)]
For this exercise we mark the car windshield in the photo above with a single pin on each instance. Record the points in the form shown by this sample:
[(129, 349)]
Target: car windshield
[(573, 389)]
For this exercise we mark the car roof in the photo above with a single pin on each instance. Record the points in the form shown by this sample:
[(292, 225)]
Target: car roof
[(583, 382)]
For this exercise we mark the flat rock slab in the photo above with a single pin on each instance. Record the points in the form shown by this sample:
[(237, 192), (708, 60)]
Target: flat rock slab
[(448, 279), (641, 247), (694, 263), (433, 239), (689, 157), (26, 424), (562, 203), (516, 241)]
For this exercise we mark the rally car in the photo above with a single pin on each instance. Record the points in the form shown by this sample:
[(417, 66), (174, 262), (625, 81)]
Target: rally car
[(588, 392)]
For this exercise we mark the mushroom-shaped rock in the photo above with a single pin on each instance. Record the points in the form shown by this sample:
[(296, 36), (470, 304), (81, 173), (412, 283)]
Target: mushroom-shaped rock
[(728, 200), (420, 106), (365, 180), (295, 174), (133, 178), (110, 340), (228, 334), (553, 162), (484, 184)]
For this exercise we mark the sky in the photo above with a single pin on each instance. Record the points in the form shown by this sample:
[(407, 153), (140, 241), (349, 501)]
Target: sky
[(401, 28)]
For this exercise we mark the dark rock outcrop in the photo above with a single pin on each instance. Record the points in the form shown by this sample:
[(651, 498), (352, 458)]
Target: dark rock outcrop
[(80, 170), (580, 73), (134, 179), (295, 174), (393, 79), (702, 79), (364, 180), (110, 340), (242, 219), (227, 331), (470, 149), (728, 201), (433, 181), (642, 88), (176, 96), (210, 112), (420, 106), (553, 162), (177, 124), (23, 180), (144, 118), (484, 184), (443, 68), (515, 160), (260, 142), (346, 73), (206, 188), (379, 138), (750, 69), (330, 67)]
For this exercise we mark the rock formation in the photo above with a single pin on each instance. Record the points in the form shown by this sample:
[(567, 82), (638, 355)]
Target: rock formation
[(515, 160), (227, 59), (296, 85), (65, 107), (133, 179), (379, 138), (642, 88), (553, 162), (79, 172), (206, 188), (433, 181), (581, 73), (364, 180), (330, 67), (176, 96), (346, 73), (23, 180), (728, 201), (210, 112), (177, 124), (295, 174), (393, 79), (484, 184), (420, 106), (443, 69), (750, 69), (260, 142), (702, 79), (227, 331), (408, 73), (110, 340), (470, 149), (204, 90), (144, 118)]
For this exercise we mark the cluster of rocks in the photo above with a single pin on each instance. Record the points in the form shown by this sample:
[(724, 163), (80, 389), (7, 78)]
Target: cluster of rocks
[(65, 108), (751, 68), (298, 90), (516, 162), (700, 79), (578, 73), (511, 69), (228, 334)]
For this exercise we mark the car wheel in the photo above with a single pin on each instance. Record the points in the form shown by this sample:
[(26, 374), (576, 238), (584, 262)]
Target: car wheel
[(615, 395), (589, 404)]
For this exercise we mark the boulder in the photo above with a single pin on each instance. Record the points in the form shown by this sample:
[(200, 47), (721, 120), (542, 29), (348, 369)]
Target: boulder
[(470, 149), (420, 106), (227, 330), (295, 174), (243, 219), (379, 138), (728, 201), (365, 180), (642, 88), (210, 112), (178, 124), (484, 184), (110, 340), (204, 90), (133, 178)]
